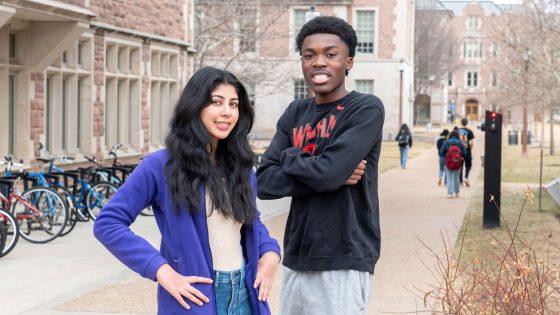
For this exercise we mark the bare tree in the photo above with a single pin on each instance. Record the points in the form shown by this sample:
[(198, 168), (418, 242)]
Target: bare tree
[(433, 48), (227, 33), (529, 58)]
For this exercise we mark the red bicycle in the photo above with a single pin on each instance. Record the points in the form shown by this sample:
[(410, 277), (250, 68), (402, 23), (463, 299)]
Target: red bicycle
[(40, 213)]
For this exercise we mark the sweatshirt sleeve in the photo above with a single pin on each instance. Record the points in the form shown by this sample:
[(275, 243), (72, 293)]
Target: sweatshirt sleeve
[(272, 181), (266, 242), (353, 138), (112, 226)]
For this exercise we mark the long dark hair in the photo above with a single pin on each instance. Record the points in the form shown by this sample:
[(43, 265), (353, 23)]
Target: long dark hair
[(404, 130), (226, 178)]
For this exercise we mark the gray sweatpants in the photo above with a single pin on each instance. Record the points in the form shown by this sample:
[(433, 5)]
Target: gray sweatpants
[(340, 292)]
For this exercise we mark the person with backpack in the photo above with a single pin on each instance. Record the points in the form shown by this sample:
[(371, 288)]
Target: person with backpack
[(404, 139), (467, 137), (453, 151), (442, 138)]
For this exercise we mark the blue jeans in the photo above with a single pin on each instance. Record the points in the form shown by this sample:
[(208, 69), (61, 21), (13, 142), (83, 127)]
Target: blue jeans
[(232, 297), (452, 179), (404, 155), (441, 165)]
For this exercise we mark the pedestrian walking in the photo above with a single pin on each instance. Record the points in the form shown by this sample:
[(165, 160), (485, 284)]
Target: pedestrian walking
[(404, 139), (215, 256), (318, 156), (442, 137), (452, 151), (467, 137)]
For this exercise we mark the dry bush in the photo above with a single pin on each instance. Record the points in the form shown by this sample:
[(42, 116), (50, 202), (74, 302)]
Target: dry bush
[(510, 280)]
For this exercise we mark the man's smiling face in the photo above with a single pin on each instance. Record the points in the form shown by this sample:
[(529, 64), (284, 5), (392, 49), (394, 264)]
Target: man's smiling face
[(324, 62)]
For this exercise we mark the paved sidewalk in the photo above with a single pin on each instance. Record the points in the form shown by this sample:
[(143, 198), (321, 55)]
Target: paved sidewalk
[(75, 275)]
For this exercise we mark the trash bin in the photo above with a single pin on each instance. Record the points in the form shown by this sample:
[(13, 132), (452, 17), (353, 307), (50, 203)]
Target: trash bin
[(528, 137), (512, 137)]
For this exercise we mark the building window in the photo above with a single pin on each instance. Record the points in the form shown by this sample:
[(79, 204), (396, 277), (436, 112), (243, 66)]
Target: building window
[(246, 31), (299, 20), (300, 89), (450, 79), (251, 92), (12, 44), (365, 29), (122, 95), (11, 113), (473, 22), (164, 90), (472, 49), (472, 79), (364, 86), (68, 92), (494, 78)]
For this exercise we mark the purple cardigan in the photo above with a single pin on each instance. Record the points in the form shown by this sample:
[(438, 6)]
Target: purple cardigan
[(184, 242)]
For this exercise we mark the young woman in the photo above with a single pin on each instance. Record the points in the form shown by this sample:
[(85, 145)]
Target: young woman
[(452, 174), (404, 138), (215, 253), (442, 138)]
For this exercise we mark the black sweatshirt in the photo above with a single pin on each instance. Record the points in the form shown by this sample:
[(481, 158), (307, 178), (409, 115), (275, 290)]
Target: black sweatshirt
[(315, 149)]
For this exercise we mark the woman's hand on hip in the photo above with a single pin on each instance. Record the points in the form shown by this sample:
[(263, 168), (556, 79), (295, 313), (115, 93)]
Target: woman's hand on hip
[(265, 274), (180, 286)]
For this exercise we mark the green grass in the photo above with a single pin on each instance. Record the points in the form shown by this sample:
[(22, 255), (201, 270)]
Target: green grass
[(539, 229), (526, 170), (390, 156)]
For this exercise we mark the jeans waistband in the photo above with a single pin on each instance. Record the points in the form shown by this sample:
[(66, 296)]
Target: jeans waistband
[(232, 277)]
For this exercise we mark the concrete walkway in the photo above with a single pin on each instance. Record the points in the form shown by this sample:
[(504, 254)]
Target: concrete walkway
[(75, 275)]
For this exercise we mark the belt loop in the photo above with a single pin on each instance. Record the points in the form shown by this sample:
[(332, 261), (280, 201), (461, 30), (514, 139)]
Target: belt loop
[(216, 279)]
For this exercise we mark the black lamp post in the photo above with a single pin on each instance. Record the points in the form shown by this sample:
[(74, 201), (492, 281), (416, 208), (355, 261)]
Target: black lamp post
[(401, 70)]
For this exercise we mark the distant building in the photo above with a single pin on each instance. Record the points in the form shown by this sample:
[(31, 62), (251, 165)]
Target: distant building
[(473, 81), (385, 31)]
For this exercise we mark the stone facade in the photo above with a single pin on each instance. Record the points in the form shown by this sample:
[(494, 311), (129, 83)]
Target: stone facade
[(64, 74)]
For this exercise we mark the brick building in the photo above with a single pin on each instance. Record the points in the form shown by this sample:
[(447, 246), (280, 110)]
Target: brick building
[(473, 79), (269, 63), (81, 75)]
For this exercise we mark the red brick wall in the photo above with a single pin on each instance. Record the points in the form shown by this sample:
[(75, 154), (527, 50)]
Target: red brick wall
[(164, 18), (37, 107)]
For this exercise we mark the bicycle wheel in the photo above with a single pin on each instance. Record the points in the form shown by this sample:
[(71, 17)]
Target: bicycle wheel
[(70, 202), (98, 196), (10, 230), (44, 216)]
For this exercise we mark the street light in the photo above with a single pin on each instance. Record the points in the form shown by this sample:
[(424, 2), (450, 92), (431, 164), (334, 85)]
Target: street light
[(401, 70), (311, 14), (526, 55)]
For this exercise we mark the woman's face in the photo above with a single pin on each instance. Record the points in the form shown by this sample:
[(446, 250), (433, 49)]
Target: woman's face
[(221, 115)]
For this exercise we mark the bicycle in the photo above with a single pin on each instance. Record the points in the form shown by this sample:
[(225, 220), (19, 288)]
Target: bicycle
[(9, 232), (49, 180), (39, 211), (88, 196)]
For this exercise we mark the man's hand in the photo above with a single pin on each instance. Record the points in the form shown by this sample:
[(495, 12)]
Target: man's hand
[(357, 174), (180, 286), (265, 274)]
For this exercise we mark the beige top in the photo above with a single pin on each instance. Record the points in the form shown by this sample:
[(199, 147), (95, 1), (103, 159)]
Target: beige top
[(224, 236)]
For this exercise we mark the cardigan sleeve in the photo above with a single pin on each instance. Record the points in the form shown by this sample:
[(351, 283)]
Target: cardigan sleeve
[(112, 226)]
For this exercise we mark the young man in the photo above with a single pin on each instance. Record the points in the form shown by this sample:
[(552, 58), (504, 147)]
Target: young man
[(467, 137), (318, 156)]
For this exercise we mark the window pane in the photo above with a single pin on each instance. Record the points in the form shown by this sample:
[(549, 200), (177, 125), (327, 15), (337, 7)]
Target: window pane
[(365, 31), (12, 45), (63, 128), (300, 89), (11, 114), (48, 110), (364, 86), (299, 20), (79, 113)]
